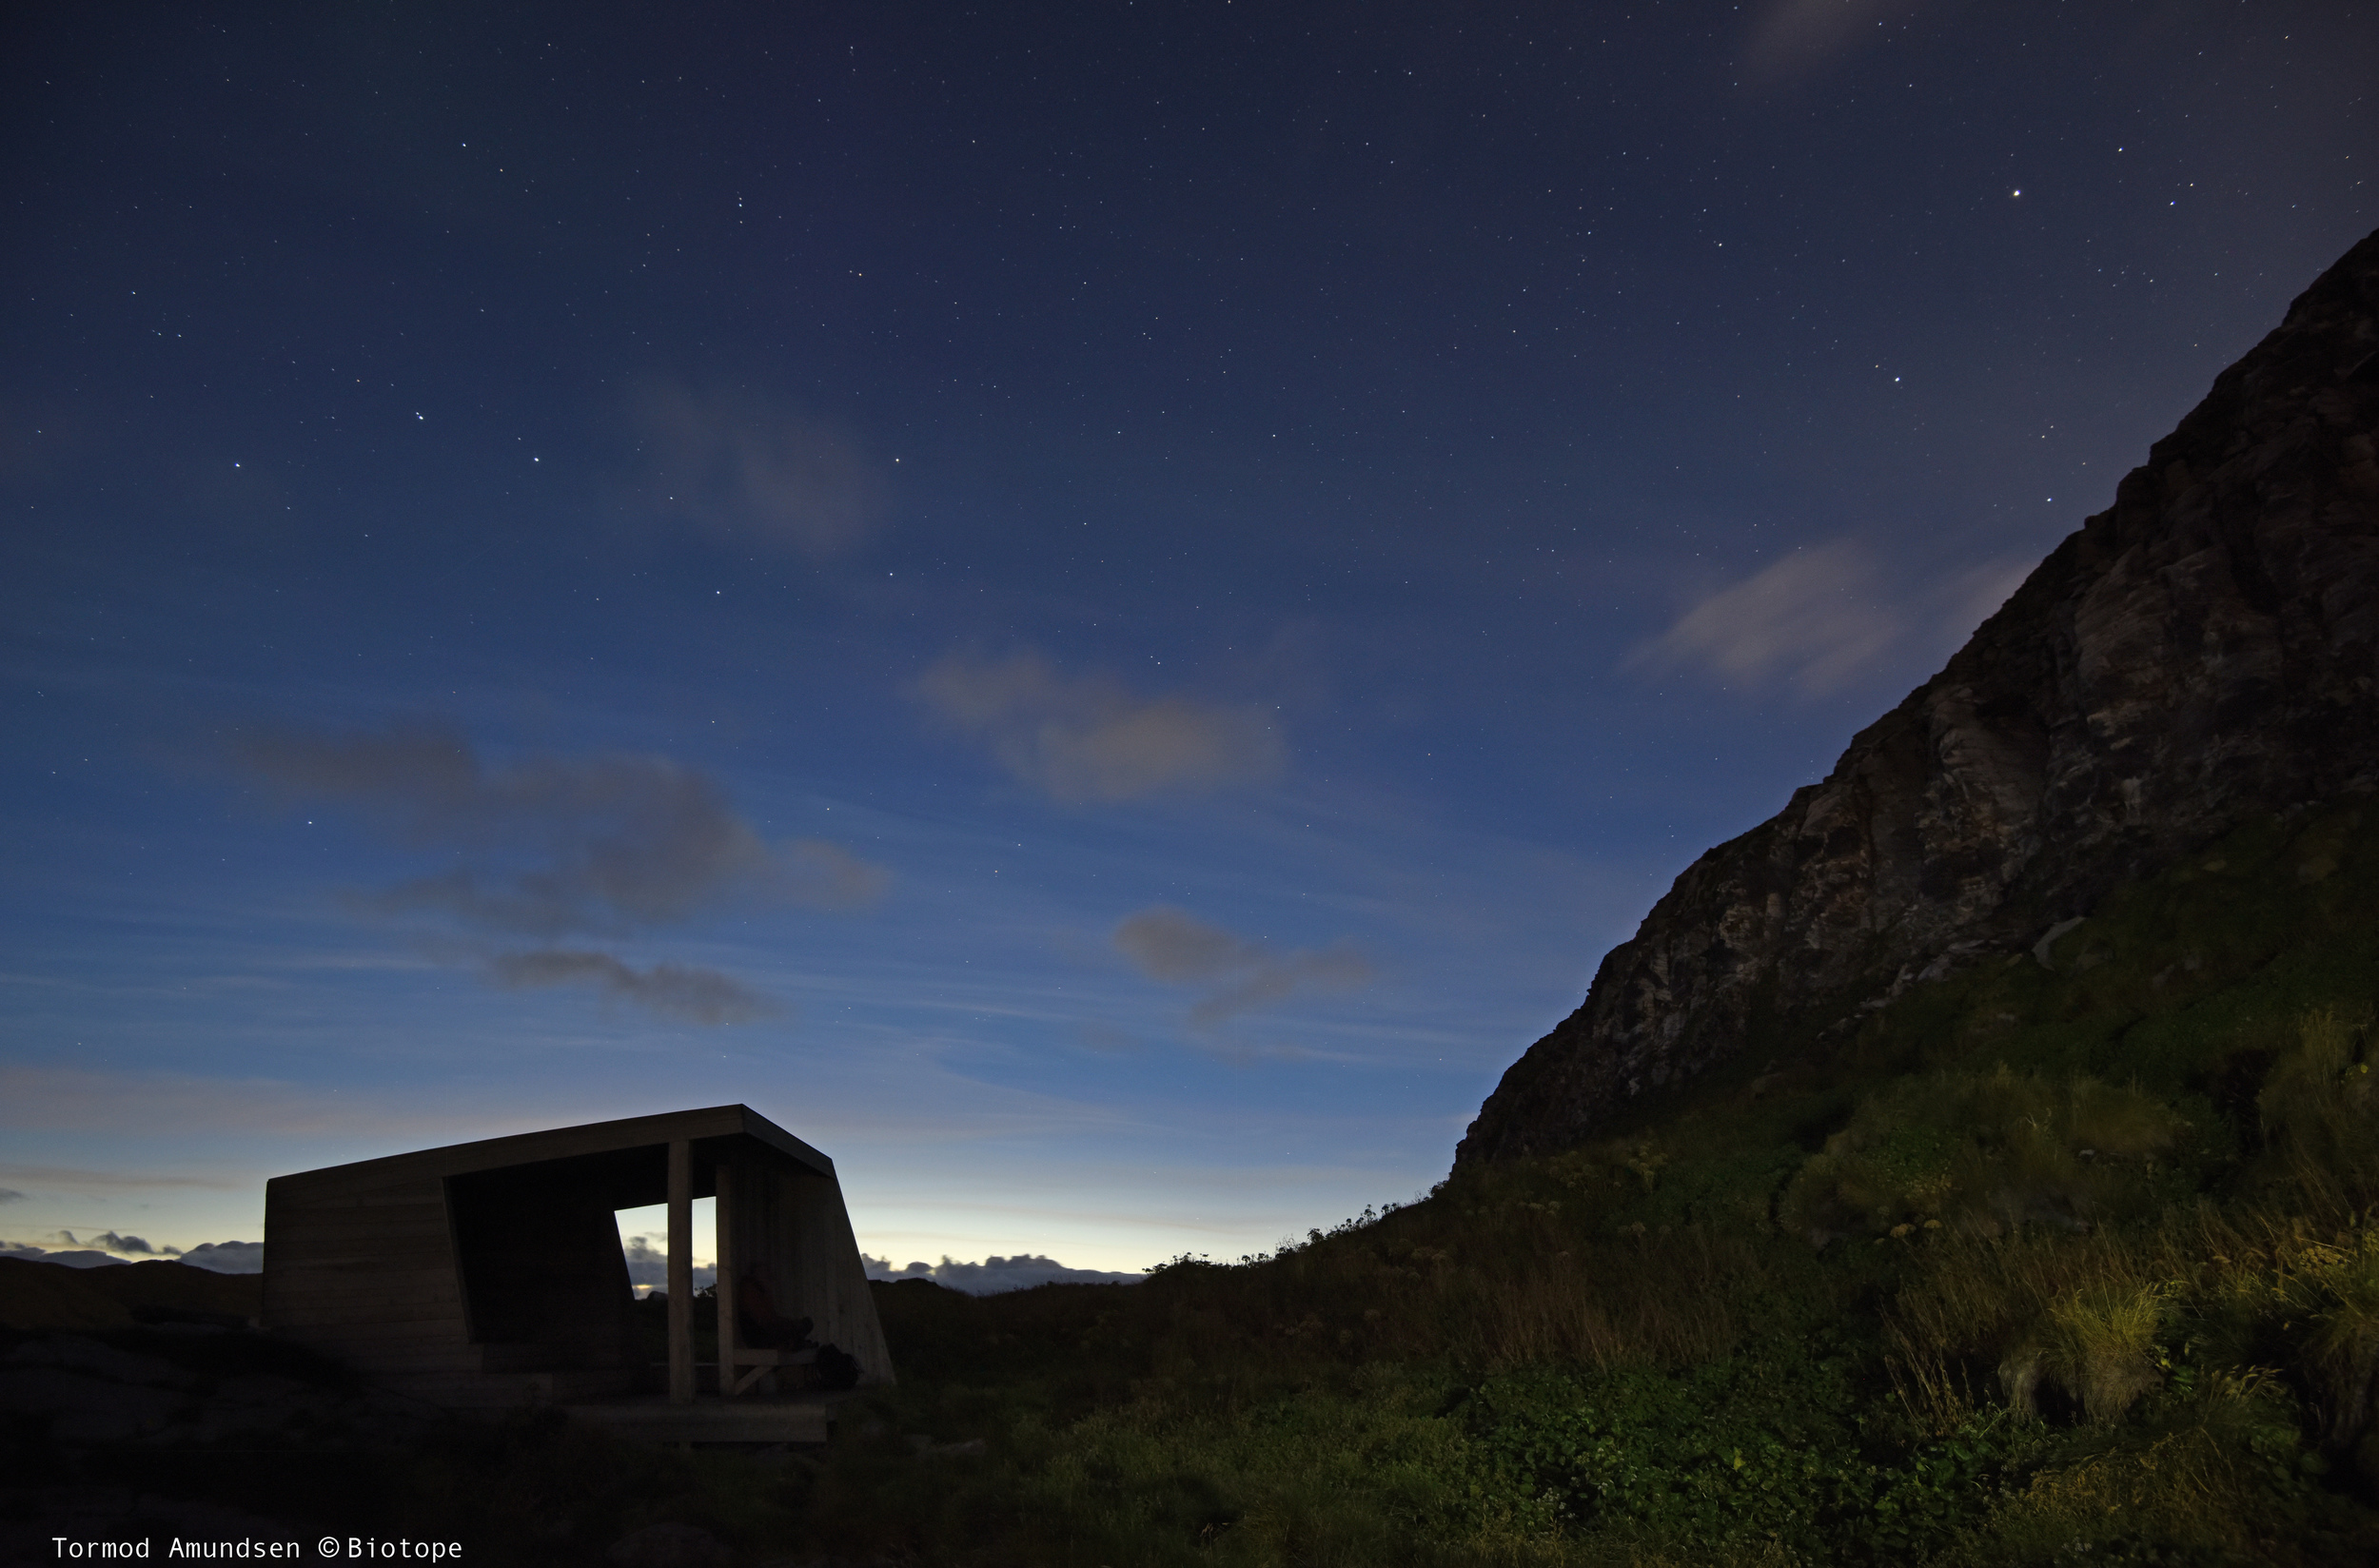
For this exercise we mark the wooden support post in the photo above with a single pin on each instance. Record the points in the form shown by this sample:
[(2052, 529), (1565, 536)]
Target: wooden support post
[(681, 1271), (723, 1247)]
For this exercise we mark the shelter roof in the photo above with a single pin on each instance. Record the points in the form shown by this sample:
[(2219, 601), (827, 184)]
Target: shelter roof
[(626, 1156)]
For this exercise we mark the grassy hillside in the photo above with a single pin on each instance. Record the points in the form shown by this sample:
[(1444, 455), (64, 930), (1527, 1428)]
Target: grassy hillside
[(2063, 1259)]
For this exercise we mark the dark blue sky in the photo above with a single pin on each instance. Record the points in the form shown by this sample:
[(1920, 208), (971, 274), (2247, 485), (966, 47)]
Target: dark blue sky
[(1103, 609)]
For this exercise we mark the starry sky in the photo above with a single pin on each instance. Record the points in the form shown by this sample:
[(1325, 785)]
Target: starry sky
[(1101, 609)]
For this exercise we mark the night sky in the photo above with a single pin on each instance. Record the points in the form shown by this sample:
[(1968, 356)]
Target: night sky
[(1103, 610)]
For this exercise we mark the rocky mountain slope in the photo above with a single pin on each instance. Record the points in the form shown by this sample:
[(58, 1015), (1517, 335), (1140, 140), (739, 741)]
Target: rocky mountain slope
[(2202, 650)]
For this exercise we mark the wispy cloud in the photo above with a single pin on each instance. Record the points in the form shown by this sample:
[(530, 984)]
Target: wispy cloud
[(1177, 949), (1090, 739), (1975, 595), (77, 1099), (1814, 618), (749, 469), (826, 876), (610, 840), (674, 991), (1811, 618), (552, 846), (1794, 38)]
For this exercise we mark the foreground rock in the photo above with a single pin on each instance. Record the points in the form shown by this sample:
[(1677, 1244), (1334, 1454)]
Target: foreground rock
[(190, 1384), (2202, 650)]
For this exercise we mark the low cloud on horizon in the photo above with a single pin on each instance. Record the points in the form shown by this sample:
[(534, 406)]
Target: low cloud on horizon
[(996, 1276), (648, 1265), (1089, 739), (109, 1247)]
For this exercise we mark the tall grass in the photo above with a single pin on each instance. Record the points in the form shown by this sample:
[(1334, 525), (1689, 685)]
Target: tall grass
[(2099, 1345), (2033, 1266), (1984, 1153)]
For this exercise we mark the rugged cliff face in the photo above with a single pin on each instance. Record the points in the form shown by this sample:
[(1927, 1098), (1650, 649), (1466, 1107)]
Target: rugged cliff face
[(2204, 650)]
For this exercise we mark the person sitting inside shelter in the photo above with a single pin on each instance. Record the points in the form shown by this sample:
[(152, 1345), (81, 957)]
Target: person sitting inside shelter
[(756, 1320)]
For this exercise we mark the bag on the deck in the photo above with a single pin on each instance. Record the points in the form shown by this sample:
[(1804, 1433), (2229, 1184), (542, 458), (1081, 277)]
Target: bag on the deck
[(837, 1368)]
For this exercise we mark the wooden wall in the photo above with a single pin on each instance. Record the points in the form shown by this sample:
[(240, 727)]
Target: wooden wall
[(793, 1228), (366, 1276)]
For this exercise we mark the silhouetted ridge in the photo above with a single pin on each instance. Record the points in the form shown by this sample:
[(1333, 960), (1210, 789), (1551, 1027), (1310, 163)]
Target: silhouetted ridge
[(2202, 650)]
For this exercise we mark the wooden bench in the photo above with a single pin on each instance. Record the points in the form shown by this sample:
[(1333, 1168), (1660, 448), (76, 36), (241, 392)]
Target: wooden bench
[(735, 1358)]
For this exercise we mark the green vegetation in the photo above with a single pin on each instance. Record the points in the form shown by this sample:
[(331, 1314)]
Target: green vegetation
[(2063, 1261)]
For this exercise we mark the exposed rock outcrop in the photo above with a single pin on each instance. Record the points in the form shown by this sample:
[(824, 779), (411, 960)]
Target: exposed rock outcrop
[(2203, 650)]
